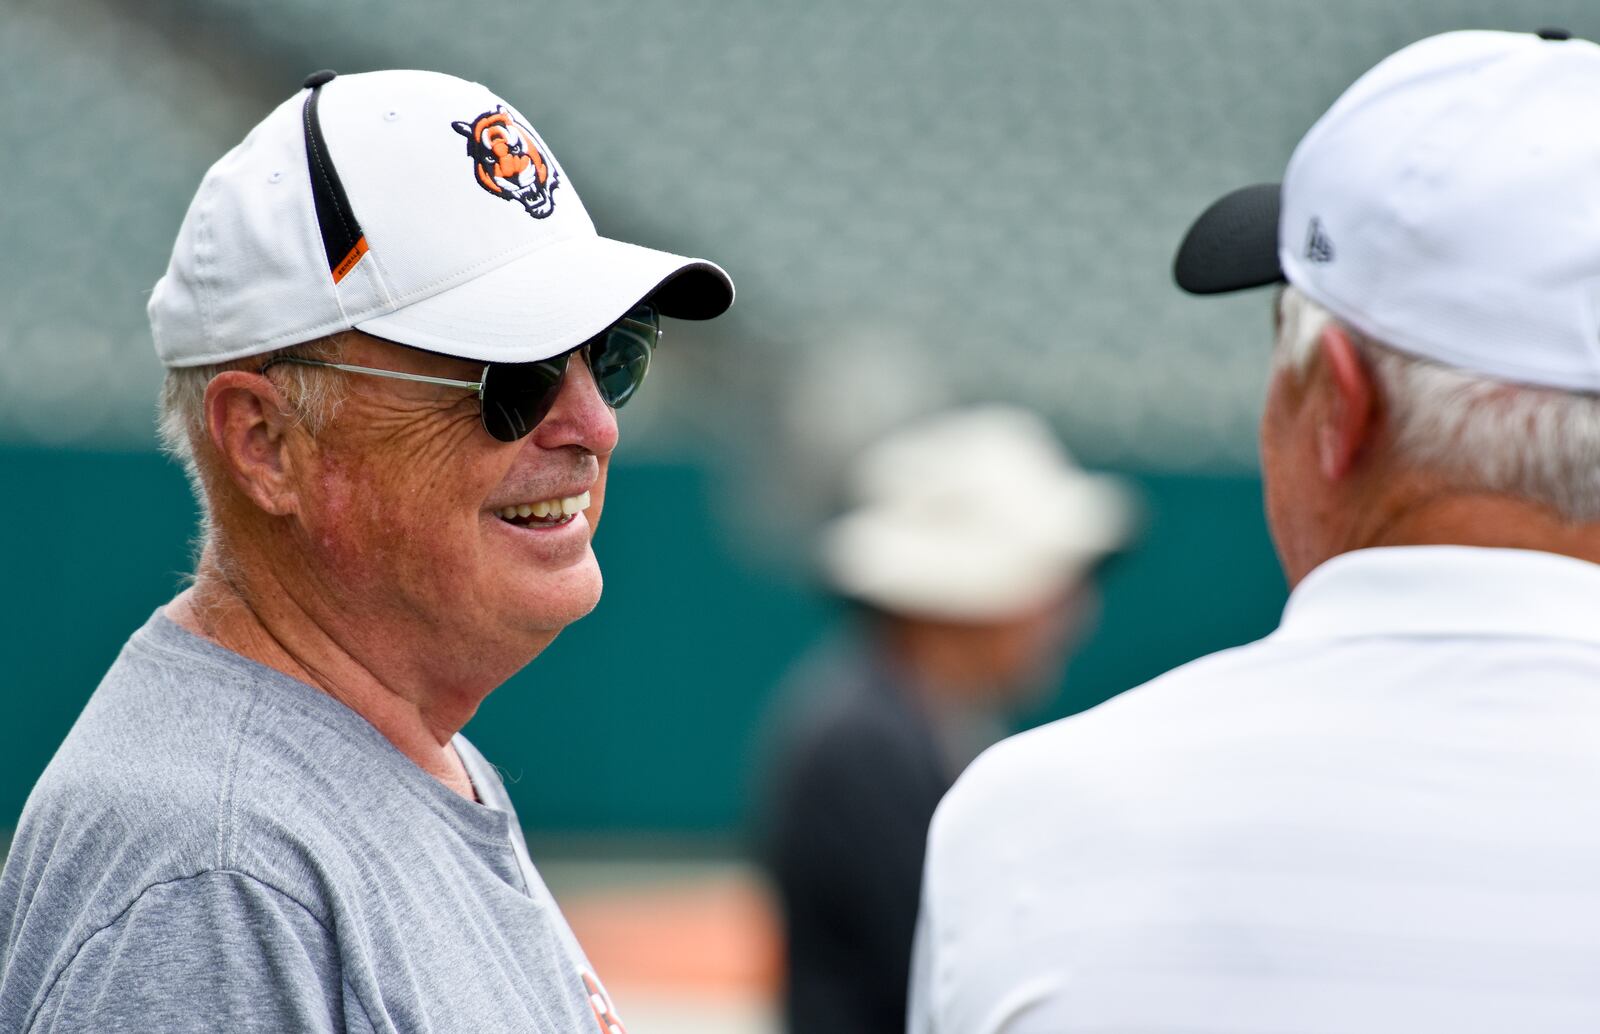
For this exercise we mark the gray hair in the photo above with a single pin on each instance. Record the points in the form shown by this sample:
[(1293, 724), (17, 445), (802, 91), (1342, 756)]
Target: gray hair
[(1540, 444), (313, 396)]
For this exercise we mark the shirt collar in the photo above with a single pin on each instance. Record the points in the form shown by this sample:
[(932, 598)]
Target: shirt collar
[(1446, 591)]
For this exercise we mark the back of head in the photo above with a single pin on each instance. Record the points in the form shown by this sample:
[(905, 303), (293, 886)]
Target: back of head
[(1468, 431), (1428, 221)]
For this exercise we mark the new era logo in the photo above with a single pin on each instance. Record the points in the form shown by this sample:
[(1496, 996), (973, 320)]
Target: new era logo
[(1319, 248)]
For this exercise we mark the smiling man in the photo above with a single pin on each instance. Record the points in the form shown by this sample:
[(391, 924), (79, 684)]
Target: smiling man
[(392, 364)]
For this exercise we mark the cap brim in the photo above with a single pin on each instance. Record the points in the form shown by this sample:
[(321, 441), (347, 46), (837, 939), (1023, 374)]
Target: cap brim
[(1234, 243), (554, 299)]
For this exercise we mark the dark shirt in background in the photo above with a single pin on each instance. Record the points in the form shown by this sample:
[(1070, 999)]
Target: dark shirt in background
[(857, 773)]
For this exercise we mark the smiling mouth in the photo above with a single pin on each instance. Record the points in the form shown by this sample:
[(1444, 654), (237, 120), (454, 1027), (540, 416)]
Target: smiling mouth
[(547, 513)]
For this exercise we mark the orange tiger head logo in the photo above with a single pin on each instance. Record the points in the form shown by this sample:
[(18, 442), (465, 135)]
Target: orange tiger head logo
[(509, 161)]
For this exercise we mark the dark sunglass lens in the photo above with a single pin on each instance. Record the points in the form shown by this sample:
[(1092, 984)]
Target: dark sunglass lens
[(516, 396), (620, 358)]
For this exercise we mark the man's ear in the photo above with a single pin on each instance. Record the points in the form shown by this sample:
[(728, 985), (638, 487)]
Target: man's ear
[(248, 422), (1346, 428)]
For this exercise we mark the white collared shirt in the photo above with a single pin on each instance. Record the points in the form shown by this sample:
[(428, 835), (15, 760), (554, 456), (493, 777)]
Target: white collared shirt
[(1385, 816)]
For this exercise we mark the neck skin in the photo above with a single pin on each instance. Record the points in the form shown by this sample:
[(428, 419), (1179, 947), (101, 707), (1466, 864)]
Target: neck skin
[(1416, 512), (255, 614), (1335, 480), (367, 561)]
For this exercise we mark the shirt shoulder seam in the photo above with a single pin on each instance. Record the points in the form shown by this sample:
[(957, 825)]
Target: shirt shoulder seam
[(260, 694), (219, 871), (225, 800), (148, 644)]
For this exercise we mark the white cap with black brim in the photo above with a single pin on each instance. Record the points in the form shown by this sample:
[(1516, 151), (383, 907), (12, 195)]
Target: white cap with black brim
[(413, 206), (1446, 204)]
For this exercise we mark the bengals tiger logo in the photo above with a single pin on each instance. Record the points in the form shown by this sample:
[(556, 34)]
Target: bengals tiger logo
[(509, 162)]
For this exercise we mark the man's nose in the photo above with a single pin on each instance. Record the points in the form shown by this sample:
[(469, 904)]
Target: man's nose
[(579, 416)]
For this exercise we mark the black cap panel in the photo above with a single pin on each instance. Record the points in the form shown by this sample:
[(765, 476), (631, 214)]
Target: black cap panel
[(342, 239), (1234, 243)]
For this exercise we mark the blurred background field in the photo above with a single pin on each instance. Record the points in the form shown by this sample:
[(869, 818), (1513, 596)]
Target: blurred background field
[(921, 203)]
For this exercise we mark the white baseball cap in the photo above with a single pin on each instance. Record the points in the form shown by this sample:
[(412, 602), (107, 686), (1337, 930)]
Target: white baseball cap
[(1448, 205), (413, 206), (975, 514)]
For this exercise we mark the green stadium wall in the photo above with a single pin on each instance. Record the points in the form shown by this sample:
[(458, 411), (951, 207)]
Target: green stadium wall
[(640, 719)]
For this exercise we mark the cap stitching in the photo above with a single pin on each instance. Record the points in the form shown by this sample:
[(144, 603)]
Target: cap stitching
[(481, 267), (203, 286), (1406, 341), (326, 327), (378, 276)]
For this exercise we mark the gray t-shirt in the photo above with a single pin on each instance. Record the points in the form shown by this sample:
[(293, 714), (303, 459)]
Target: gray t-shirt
[(217, 846)]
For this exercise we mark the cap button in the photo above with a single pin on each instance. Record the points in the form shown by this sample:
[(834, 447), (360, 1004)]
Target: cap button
[(1554, 34), (316, 79)]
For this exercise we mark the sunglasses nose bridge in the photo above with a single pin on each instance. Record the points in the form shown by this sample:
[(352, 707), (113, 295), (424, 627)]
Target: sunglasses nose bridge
[(507, 422), (576, 407)]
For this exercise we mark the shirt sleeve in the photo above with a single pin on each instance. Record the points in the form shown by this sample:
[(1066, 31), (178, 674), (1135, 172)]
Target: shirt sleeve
[(215, 951)]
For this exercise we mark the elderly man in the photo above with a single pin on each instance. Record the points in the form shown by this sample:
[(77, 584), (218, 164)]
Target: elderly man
[(1385, 816), (969, 553), (394, 342)]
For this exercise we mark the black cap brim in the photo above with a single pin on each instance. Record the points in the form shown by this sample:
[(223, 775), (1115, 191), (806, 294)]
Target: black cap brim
[(698, 291), (1234, 243)]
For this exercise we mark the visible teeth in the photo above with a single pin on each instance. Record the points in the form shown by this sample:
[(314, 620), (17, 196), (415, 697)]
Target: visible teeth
[(556, 508)]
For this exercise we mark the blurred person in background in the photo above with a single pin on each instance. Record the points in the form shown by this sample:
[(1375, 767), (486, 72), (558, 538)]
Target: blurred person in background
[(1384, 816), (394, 343), (969, 558)]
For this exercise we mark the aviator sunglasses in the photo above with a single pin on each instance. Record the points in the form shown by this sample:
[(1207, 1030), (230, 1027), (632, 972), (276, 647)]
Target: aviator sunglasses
[(514, 397)]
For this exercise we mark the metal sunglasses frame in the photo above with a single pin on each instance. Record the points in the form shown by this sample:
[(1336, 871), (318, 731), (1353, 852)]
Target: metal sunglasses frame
[(474, 386), (373, 371)]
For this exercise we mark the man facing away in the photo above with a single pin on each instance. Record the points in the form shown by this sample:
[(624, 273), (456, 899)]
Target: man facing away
[(1385, 816), (394, 343)]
